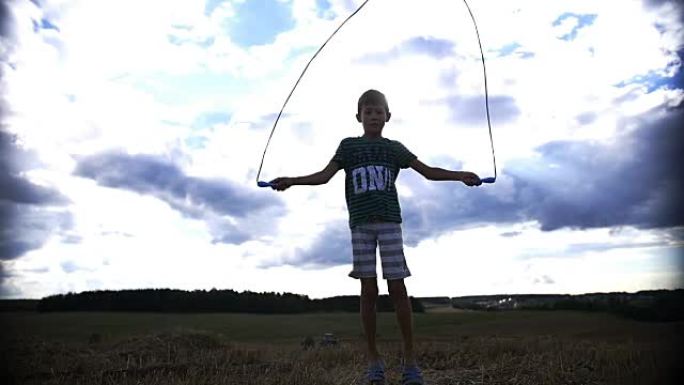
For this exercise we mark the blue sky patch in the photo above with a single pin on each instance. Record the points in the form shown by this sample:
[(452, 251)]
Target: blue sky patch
[(211, 5), (43, 24), (508, 49), (258, 22), (209, 119), (652, 81), (582, 21), (324, 9), (196, 142)]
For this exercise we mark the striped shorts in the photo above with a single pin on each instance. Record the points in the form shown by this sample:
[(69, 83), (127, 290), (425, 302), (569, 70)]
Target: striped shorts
[(387, 236)]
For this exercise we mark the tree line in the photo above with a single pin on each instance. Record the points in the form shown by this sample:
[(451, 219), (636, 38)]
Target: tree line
[(645, 305), (659, 306), (202, 301)]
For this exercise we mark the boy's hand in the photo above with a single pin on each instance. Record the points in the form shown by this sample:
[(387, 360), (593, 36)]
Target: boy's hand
[(281, 184), (470, 178)]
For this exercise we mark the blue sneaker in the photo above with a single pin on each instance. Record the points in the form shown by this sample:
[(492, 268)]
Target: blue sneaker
[(376, 373), (411, 375)]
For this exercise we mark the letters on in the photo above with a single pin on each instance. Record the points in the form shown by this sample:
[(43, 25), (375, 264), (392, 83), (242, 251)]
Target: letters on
[(372, 178)]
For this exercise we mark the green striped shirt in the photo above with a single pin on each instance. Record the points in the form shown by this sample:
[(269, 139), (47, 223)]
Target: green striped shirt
[(371, 167)]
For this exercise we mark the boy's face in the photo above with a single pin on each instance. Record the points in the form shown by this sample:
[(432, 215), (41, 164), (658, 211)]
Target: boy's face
[(373, 117)]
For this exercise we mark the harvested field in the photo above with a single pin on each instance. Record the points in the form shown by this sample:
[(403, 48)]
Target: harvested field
[(454, 348)]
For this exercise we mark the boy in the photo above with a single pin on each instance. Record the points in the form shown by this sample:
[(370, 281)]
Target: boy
[(371, 164)]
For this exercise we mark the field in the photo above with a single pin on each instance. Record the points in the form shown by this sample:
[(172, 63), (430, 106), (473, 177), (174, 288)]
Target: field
[(454, 347)]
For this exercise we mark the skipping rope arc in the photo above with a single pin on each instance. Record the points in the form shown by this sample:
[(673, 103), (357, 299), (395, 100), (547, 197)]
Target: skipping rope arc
[(275, 123)]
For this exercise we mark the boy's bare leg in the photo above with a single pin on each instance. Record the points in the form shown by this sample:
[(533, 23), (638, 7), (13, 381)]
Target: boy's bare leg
[(402, 307), (369, 296)]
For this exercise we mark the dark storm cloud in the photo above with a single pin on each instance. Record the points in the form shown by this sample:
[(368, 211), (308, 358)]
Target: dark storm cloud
[(673, 7), (197, 198), (332, 247), (27, 211), (12, 249), (16, 189), (5, 19), (592, 185), (636, 181), (27, 227), (444, 206), (435, 48), (224, 231), (151, 175), (677, 81)]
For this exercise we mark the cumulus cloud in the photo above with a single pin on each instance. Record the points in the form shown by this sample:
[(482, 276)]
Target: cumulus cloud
[(208, 94), (29, 213), (636, 181), (332, 247), (667, 8), (198, 198)]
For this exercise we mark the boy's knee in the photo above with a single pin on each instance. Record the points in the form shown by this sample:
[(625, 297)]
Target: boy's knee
[(396, 288), (369, 287)]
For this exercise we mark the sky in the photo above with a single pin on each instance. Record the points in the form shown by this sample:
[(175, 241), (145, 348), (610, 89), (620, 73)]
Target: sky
[(131, 135)]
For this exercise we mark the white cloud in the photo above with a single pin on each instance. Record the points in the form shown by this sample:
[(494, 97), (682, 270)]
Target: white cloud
[(106, 79)]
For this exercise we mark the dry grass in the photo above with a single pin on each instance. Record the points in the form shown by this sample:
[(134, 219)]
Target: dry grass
[(559, 354)]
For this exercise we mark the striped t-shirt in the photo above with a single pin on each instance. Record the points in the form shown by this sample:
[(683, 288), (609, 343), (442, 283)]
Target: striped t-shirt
[(371, 167)]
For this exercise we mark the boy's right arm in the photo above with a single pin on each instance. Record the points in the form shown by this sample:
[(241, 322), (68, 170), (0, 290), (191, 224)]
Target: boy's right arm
[(321, 177)]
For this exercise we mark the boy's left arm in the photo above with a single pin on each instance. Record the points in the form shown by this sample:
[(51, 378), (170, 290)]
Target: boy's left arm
[(436, 173)]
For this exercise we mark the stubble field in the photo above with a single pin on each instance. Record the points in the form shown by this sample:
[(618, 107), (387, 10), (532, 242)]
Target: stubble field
[(522, 347)]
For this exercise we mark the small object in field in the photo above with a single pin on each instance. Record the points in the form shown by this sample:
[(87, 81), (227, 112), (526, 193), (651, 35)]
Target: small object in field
[(308, 343), (95, 338), (329, 339)]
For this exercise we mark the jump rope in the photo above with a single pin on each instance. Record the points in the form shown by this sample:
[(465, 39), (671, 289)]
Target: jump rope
[(484, 71)]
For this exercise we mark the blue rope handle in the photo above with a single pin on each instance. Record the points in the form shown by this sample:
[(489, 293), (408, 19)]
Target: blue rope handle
[(275, 123), (484, 71)]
